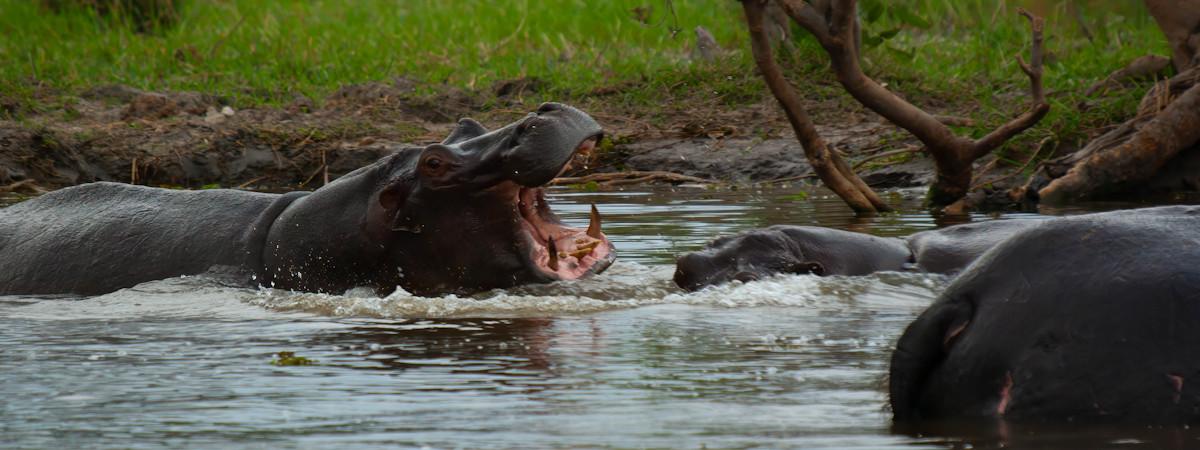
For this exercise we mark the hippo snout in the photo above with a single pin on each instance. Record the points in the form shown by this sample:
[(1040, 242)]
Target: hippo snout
[(693, 271)]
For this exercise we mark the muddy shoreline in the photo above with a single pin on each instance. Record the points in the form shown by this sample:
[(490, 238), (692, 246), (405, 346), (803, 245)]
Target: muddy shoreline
[(191, 140)]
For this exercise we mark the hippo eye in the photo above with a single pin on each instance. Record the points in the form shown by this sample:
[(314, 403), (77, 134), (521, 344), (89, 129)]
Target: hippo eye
[(745, 277), (433, 163)]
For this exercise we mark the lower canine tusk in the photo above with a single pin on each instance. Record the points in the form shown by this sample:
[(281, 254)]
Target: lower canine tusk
[(594, 225), (552, 249)]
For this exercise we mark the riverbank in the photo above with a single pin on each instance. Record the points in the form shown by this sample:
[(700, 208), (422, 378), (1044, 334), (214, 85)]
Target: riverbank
[(255, 94), (192, 140)]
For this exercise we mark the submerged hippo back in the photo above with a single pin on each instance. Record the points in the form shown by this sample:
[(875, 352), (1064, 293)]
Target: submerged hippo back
[(951, 249), (1091, 318), (100, 237)]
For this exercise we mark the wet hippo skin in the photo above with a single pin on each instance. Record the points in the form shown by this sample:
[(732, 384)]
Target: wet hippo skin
[(763, 252), (1092, 318), (463, 215)]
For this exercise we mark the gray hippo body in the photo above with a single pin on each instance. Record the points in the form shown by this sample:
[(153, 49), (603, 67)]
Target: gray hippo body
[(951, 249), (1092, 318), (92, 238), (464, 215), (758, 253)]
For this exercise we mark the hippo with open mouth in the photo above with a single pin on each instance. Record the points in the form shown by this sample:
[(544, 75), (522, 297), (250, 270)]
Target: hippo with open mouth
[(465, 215)]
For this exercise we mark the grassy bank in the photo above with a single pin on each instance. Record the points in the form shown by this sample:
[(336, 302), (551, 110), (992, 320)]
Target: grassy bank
[(262, 50), (955, 55)]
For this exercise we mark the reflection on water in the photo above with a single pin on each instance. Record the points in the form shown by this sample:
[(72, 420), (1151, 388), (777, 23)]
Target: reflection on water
[(622, 360)]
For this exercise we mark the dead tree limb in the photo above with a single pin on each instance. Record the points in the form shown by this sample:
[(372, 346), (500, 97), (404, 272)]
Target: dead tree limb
[(1175, 129), (827, 163), (1139, 154), (953, 155), (1083, 164)]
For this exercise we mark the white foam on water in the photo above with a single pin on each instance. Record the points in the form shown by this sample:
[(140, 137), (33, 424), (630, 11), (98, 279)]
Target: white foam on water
[(626, 285), (180, 297)]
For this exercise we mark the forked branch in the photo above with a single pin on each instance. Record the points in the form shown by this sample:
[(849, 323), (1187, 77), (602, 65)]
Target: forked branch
[(828, 165), (953, 155), (1039, 108)]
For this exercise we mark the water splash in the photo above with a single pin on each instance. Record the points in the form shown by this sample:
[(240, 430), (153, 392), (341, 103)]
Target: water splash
[(626, 285)]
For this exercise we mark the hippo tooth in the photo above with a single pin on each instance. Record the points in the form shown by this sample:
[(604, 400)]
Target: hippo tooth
[(594, 226), (584, 250), (552, 249)]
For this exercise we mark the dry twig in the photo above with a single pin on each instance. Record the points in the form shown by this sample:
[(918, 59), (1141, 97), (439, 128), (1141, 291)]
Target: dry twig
[(911, 149), (632, 177)]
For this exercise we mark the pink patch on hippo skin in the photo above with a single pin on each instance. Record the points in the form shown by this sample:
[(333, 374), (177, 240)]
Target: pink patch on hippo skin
[(953, 333), (1005, 394), (1177, 383)]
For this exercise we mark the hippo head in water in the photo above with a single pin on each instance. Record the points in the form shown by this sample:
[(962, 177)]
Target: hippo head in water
[(763, 252), (460, 216)]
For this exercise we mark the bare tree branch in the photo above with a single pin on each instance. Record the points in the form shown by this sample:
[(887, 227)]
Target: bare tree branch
[(1034, 69), (837, 31), (841, 24), (826, 163), (1039, 107), (808, 17)]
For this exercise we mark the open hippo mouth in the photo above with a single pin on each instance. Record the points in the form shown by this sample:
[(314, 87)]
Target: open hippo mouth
[(555, 249)]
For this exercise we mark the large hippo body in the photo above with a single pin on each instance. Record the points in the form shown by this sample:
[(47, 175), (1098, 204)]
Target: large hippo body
[(97, 237), (464, 215), (762, 252), (1092, 318)]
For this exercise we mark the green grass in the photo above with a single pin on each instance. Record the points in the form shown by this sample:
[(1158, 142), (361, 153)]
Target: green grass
[(267, 50), (955, 55)]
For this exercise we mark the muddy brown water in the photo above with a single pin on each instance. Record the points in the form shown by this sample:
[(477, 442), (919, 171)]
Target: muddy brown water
[(622, 360)]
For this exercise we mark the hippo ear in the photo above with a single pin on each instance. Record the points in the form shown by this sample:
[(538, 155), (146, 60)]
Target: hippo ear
[(926, 342), (807, 267), (466, 129)]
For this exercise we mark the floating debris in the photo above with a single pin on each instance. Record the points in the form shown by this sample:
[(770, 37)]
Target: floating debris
[(290, 359)]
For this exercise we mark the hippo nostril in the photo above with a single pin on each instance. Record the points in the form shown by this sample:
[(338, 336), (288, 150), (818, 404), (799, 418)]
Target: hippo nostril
[(548, 107)]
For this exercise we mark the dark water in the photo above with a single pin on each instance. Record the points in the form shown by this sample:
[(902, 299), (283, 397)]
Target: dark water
[(623, 360)]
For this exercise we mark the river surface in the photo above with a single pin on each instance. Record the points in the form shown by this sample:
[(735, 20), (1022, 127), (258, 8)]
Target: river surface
[(622, 360)]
